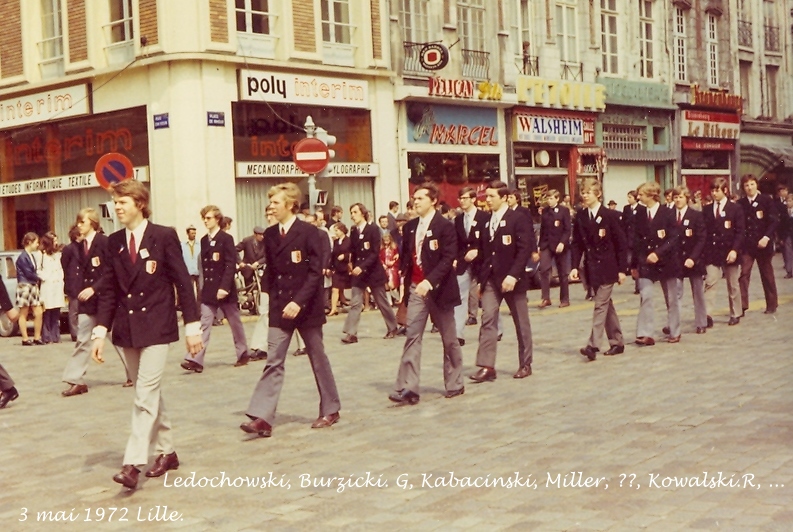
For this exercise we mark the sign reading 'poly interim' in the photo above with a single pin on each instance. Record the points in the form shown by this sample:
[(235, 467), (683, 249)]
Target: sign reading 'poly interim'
[(257, 86), (32, 108)]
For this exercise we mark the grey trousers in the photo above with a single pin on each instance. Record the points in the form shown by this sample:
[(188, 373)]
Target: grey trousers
[(605, 321), (645, 322), (259, 338), (356, 306), (74, 311), (698, 296), (731, 273), (77, 366), (462, 311), (419, 309), (518, 305), (151, 426), (265, 396), (547, 258), (232, 312), (6, 382)]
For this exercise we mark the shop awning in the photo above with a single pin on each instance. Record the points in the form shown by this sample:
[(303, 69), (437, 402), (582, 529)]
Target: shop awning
[(769, 157), (645, 156)]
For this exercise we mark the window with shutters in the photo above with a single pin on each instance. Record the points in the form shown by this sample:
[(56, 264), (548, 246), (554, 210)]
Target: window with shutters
[(624, 137)]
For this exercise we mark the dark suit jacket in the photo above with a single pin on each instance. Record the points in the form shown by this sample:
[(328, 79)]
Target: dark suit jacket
[(691, 235), (252, 251), (658, 236), (72, 275), (724, 234), (508, 252), (365, 250), (92, 269), (139, 303), (602, 244), (294, 273), (438, 252), (761, 218), (629, 220), (467, 242), (5, 301), (26, 269), (218, 265), (555, 227)]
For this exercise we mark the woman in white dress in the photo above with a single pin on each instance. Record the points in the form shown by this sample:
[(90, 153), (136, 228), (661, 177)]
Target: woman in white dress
[(51, 292)]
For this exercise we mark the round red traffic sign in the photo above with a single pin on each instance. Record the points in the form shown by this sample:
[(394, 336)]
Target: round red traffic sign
[(311, 155), (113, 168)]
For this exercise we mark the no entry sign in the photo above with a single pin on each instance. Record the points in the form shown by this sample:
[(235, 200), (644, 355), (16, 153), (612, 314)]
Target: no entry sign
[(311, 155), (113, 168)]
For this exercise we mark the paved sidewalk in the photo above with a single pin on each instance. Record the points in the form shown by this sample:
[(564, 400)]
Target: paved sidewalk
[(651, 439)]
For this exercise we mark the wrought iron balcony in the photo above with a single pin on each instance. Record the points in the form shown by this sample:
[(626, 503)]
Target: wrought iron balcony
[(573, 71), (772, 38), (412, 64), (744, 33), (476, 64), (531, 65)]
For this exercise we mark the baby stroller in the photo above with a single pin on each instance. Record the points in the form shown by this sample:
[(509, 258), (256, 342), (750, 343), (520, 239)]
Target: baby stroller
[(248, 294)]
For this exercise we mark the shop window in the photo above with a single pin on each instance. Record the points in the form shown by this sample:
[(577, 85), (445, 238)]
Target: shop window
[(452, 168), (624, 137), (706, 160), (541, 158)]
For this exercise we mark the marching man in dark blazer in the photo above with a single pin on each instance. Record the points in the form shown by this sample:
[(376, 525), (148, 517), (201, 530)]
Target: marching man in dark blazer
[(507, 243), (294, 261), (690, 261), (71, 262), (145, 268), (8, 392), (653, 261), (761, 218), (218, 264), (429, 249), (555, 229), (469, 226), (629, 216), (367, 271), (598, 238)]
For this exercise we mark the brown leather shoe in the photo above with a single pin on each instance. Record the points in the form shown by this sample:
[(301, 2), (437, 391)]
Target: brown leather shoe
[(454, 393), (127, 384), (75, 389), (673, 339), (190, 365), (325, 421), (258, 426), (405, 397), (127, 477), (644, 341), (7, 396), (564, 304), (590, 352), (389, 335), (349, 339), (163, 463), (615, 350), (734, 321), (484, 375), (545, 303), (242, 361), (522, 373)]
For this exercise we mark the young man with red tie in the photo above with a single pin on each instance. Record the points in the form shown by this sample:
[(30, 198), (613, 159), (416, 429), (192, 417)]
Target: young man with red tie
[(761, 218)]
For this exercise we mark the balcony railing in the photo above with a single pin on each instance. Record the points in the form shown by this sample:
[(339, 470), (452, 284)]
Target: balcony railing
[(573, 71), (744, 33), (531, 65), (476, 64), (412, 64), (772, 38)]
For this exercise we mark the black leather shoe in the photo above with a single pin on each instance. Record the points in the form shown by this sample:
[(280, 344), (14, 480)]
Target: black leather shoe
[(404, 397), (499, 337), (734, 321), (258, 354), (666, 330), (7, 396), (349, 339), (454, 393), (390, 334), (163, 463), (589, 352), (743, 312), (402, 331), (189, 365), (258, 426), (770, 311), (127, 477), (242, 361), (710, 322), (470, 321), (615, 350), (461, 341)]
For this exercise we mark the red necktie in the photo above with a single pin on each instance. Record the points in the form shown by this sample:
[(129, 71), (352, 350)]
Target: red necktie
[(133, 253), (649, 216), (283, 233), (717, 209), (679, 217), (85, 247)]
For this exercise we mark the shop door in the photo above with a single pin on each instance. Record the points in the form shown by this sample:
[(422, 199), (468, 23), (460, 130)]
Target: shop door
[(32, 215)]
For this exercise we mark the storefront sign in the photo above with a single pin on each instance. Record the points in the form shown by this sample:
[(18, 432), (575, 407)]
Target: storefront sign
[(705, 145), (60, 183), (561, 94), (716, 99), (465, 89), (449, 125), (296, 88), (707, 124), (290, 169), (31, 108), (637, 93), (552, 129)]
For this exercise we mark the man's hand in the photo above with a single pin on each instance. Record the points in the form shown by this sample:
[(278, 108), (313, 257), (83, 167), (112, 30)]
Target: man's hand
[(535, 256), (559, 248), (508, 284), (471, 255), (13, 314), (732, 256), (86, 294), (291, 310), (621, 278), (652, 258), (423, 288), (574, 274), (763, 242), (194, 344), (96, 350), (689, 263), (357, 271), (221, 294), (340, 257)]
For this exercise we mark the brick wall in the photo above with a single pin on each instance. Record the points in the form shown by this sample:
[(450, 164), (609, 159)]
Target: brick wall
[(10, 39), (377, 48), (303, 16), (148, 21), (78, 48), (218, 21)]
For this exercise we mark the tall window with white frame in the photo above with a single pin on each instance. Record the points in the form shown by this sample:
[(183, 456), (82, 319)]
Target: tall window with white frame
[(51, 44), (608, 36), (566, 34), (120, 21), (253, 16), (680, 45), (336, 27), (471, 30), (713, 50), (520, 34), (415, 25), (646, 41)]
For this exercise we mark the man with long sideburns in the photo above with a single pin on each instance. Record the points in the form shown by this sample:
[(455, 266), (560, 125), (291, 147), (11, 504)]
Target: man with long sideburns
[(293, 254), (429, 249), (145, 269)]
